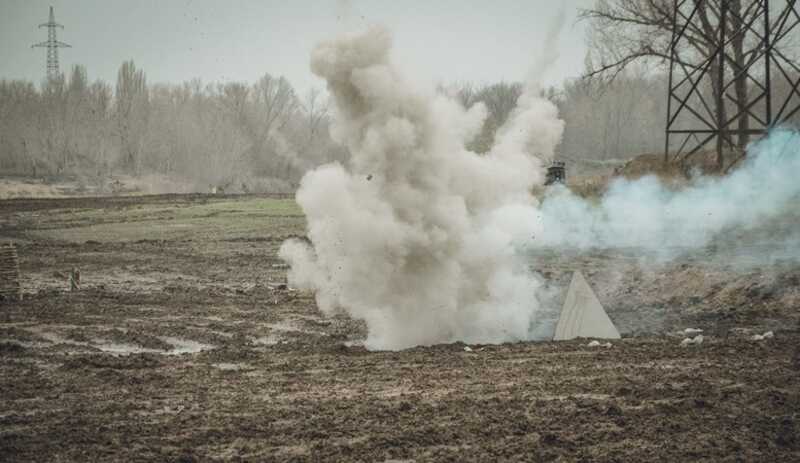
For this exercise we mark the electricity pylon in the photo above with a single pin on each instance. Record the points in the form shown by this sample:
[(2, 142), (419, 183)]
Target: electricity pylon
[(52, 44)]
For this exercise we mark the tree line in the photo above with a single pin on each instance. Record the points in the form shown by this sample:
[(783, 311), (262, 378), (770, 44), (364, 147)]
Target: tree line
[(263, 136), (259, 136)]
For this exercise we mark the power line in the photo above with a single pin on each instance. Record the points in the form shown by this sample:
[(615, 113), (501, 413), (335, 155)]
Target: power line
[(52, 44)]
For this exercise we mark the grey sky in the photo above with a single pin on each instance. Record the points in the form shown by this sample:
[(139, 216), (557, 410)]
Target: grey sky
[(177, 40)]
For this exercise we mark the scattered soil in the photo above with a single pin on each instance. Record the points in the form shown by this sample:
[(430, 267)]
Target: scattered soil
[(191, 347)]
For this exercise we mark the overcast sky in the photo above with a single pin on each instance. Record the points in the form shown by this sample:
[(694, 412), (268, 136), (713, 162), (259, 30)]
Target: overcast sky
[(240, 40)]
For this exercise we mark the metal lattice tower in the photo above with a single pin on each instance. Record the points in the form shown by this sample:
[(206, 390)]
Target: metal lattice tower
[(710, 119), (52, 46)]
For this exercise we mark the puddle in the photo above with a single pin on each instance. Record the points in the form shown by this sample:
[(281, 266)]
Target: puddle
[(25, 344), (280, 330), (232, 366), (270, 340), (117, 348), (55, 339), (184, 346), (179, 345)]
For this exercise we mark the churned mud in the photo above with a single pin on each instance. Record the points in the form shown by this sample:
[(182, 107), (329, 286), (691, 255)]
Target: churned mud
[(185, 343)]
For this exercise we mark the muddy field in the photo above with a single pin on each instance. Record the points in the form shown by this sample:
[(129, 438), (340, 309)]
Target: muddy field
[(185, 344)]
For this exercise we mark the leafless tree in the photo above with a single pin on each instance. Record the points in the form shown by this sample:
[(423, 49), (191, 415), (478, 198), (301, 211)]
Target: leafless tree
[(624, 32), (131, 113), (500, 99), (316, 112), (621, 119), (275, 104), (220, 134)]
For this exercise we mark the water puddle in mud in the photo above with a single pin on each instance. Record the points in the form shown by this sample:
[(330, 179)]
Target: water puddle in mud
[(179, 345), (270, 340), (232, 366), (185, 346), (115, 348)]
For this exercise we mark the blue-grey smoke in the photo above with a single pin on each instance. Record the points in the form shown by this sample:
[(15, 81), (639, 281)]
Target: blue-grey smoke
[(646, 214)]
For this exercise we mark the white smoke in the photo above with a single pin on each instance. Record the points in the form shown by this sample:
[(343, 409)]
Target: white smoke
[(647, 215), (417, 235), (423, 239)]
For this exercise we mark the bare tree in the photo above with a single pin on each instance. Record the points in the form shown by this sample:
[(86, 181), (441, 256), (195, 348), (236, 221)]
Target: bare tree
[(233, 98), (20, 109), (624, 32), (499, 99), (619, 120), (235, 134), (131, 113), (315, 117), (316, 111), (53, 118), (275, 104)]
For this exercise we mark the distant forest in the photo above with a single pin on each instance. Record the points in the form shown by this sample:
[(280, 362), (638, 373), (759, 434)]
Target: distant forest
[(264, 136)]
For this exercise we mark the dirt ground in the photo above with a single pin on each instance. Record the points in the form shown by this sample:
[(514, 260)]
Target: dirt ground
[(185, 344)]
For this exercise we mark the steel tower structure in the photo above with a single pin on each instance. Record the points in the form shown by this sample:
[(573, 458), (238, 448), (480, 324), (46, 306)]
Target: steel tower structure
[(52, 44), (712, 122)]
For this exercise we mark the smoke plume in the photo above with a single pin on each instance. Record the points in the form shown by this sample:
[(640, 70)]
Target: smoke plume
[(416, 236), (426, 241), (647, 215)]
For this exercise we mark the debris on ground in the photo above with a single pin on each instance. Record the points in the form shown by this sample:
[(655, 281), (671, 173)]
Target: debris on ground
[(689, 341), (68, 396), (761, 337), (597, 343), (690, 331)]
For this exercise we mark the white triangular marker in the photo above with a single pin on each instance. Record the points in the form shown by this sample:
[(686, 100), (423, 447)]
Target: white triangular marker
[(582, 315)]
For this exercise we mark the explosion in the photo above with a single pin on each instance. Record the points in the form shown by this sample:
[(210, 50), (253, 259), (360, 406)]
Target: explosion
[(425, 241), (417, 235)]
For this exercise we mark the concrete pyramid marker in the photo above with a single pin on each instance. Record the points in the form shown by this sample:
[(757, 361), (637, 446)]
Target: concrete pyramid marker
[(582, 315)]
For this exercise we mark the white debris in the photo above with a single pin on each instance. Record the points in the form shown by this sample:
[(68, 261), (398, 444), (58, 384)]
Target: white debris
[(467, 349), (596, 343), (692, 331), (761, 337), (689, 341)]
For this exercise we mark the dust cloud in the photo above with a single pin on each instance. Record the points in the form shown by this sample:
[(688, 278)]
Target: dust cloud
[(427, 241), (647, 215), (416, 236)]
